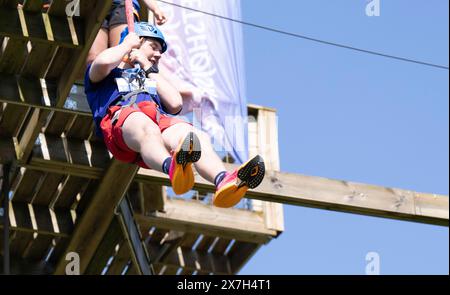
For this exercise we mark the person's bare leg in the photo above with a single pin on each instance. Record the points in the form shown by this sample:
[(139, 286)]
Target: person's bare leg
[(142, 135), (114, 34), (209, 164), (100, 44)]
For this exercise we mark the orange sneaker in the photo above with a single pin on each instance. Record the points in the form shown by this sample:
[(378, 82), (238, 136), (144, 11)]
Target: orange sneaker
[(180, 172), (235, 185)]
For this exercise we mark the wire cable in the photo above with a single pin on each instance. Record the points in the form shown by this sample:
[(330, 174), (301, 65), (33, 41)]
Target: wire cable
[(399, 58)]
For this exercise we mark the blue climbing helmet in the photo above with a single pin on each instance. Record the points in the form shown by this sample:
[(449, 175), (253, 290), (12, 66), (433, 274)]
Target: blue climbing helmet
[(144, 29)]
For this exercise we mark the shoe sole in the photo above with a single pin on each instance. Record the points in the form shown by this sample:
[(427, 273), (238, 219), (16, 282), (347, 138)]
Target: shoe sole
[(250, 176), (188, 153)]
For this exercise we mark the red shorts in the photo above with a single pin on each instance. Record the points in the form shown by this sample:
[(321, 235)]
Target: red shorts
[(112, 133)]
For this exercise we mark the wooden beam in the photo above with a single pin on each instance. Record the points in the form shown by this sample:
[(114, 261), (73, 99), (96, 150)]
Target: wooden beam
[(132, 235), (240, 254), (29, 218), (193, 260), (24, 25), (195, 217), (107, 249), (97, 217), (309, 191), (78, 61)]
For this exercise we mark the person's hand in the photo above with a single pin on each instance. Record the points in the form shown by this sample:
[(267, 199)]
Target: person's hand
[(136, 56), (132, 41), (160, 17)]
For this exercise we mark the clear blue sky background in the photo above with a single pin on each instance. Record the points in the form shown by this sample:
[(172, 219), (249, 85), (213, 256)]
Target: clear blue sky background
[(352, 116)]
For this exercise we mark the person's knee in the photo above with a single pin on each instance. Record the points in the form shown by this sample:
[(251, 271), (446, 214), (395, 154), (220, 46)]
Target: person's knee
[(202, 136), (151, 130)]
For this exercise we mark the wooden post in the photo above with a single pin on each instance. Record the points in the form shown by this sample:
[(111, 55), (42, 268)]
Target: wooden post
[(263, 140), (6, 231)]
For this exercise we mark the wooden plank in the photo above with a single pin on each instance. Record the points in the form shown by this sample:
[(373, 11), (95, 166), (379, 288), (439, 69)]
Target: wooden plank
[(77, 62), (240, 254), (24, 192), (19, 243), (9, 3), (31, 129), (38, 60), (121, 260), (268, 149), (131, 232), (100, 212), (59, 65), (34, 219), (33, 28), (86, 196), (154, 196), (221, 246), (48, 189), (11, 119), (194, 217), (58, 252), (71, 187), (106, 249), (81, 128), (314, 192), (33, 5), (38, 250), (59, 123), (75, 151), (205, 243), (13, 56), (194, 260), (27, 91)]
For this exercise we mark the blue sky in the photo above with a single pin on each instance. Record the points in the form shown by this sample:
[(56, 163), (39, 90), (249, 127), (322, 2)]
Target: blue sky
[(357, 117)]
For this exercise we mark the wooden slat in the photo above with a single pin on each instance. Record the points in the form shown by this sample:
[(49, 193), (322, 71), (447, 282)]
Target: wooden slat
[(34, 219), (19, 243), (48, 189), (39, 248), (33, 5), (194, 217), (29, 133), (120, 261), (58, 123), (59, 65), (13, 57), (240, 253), (71, 187), (28, 182), (97, 217), (12, 119), (34, 28), (78, 61), (194, 260), (131, 233), (154, 196), (317, 192), (81, 128), (38, 60), (9, 3), (106, 249), (27, 91), (78, 152), (221, 246)]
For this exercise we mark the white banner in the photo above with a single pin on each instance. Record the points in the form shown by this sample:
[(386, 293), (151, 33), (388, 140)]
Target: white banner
[(205, 60)]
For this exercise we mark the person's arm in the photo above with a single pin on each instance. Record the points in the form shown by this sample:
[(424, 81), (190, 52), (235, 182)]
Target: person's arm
[(158, 13), (170, 96), (109, 59)]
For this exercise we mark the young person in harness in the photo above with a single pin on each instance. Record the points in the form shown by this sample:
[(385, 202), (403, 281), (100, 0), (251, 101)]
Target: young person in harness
[(133, 108)]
